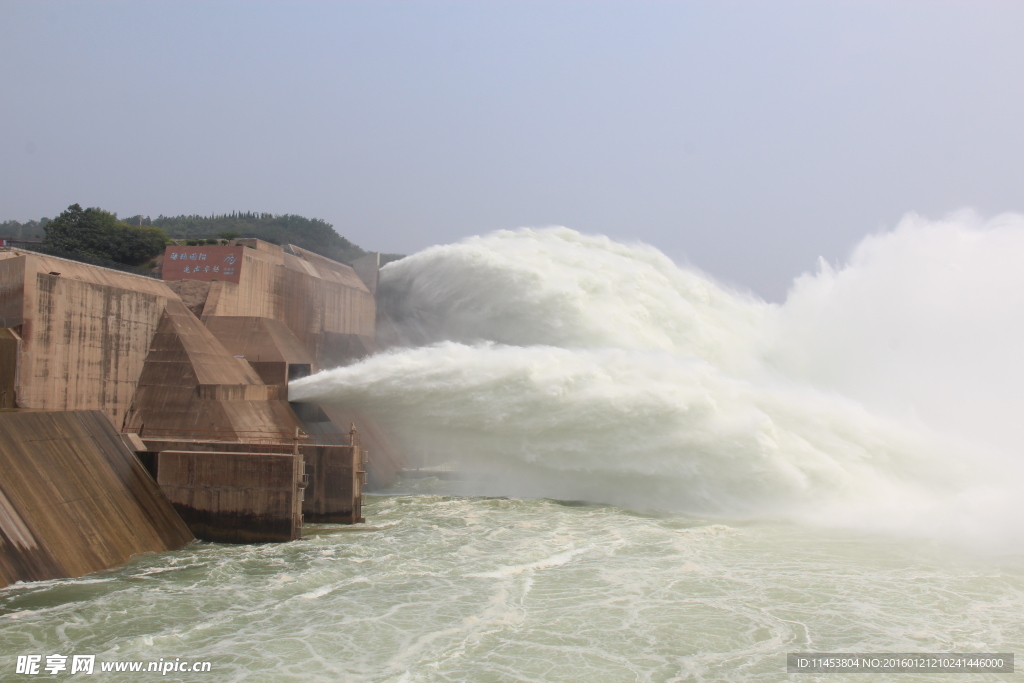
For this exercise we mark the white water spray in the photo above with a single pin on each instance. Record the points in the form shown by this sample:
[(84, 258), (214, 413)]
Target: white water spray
[(881, 394)]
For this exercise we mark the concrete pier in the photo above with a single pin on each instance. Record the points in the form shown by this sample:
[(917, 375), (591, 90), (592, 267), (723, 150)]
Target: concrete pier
[(335, 492), (235, 497), (243, 500)]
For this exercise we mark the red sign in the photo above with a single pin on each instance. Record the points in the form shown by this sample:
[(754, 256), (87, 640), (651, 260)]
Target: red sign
[(202, 263)]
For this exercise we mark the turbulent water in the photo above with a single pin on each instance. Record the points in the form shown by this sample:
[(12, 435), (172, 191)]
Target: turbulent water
[(883, 395), (443, 588), (656, 479)]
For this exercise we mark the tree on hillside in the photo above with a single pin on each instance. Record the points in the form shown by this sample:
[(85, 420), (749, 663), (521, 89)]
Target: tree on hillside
[(96, 232), (20, 231), (314, 234)]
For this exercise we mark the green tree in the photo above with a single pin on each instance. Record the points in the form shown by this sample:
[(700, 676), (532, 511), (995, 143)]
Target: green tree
[(20, 231), (133, 245), (313, 234), (96, 232), (81, 230)]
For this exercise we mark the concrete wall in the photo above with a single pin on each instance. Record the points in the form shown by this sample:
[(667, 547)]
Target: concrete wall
[(191, 383), (272, 350), (85, 331), (74, 499), (335, 491), (332, 467), (368, 269), (12, 290), (10, 354), (75, 336), (235, 497), (314, 296), (383, 458)]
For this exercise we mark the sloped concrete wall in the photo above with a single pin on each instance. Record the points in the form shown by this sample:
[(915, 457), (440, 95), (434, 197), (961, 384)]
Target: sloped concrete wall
[(74, 499), (191, 382), (12, 290)]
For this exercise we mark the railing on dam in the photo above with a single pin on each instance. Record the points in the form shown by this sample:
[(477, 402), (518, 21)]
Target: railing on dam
[(260, 441)]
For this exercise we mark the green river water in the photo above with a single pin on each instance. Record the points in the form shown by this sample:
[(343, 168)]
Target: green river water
[(441, 588)]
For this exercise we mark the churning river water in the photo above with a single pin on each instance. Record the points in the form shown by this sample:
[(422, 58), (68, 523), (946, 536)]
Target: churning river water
[(658, 479)]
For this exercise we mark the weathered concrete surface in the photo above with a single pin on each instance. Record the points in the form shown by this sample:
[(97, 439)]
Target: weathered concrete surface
[(191, 383), (10, 353), (383, 458), (335, 491), (233, 497), (272, 350), (74, 499), (337, 349), (12, 290), (310, 294), (333, 468), (368, 269), (193, 294), (85, 331), (79, 336)]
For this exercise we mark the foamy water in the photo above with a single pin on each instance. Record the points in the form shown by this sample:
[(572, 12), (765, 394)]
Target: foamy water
[(440, 588), (882, 394)]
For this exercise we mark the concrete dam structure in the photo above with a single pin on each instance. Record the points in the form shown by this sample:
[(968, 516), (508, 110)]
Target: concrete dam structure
[(192, 371), (74, 499)]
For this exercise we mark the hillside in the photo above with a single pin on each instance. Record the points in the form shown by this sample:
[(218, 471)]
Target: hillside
[(314, 234)]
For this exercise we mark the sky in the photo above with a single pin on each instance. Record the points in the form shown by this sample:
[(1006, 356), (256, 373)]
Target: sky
[(747, 139)]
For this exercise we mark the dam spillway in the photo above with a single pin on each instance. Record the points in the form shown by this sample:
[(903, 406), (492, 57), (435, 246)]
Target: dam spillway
[(193, 368)]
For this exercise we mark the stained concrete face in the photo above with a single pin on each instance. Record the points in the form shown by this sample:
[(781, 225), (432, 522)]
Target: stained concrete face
[(313, 296), (383, 459), (12, 290), (10, 354), (74, 499), (272, 350), (190, 383), (368, 269), (85, 331), (335, 478), (77, 336), (233, 497)]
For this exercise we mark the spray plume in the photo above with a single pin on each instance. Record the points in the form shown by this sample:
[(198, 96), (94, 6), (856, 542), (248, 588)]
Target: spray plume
[(882, 393)]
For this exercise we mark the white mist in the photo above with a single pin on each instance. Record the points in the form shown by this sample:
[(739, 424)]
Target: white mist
[(882, 394)]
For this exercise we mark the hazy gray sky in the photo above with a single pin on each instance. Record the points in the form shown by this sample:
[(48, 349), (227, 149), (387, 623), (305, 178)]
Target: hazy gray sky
[(747, 138)]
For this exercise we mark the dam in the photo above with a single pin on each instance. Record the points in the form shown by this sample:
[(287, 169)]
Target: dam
[(160, 404)]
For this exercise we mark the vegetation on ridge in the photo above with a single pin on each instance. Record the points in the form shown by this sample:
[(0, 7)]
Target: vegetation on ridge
[(29, 230), (313, 234), (95, 232)]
